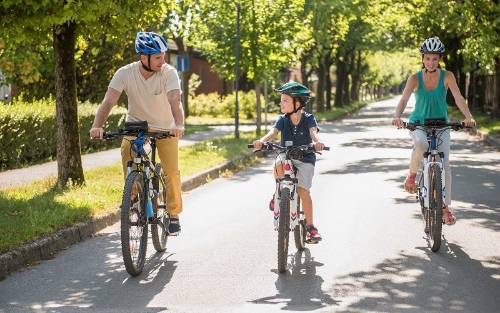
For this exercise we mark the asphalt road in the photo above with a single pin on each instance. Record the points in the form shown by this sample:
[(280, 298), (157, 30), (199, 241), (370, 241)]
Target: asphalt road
[(373, 258)]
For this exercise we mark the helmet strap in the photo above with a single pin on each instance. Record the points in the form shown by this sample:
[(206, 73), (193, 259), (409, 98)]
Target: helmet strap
[(147, 68)]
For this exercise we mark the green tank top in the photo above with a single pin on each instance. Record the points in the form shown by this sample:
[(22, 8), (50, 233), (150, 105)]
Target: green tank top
[(430, 104)]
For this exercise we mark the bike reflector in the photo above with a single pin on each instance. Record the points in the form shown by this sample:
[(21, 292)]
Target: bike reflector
[(286, 166)]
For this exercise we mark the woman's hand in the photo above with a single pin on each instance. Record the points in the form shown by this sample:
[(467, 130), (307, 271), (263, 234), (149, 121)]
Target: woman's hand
[(470, 122), (398, 122)]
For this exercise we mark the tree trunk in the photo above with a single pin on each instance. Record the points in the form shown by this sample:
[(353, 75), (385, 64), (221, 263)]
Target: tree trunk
[(496, 106), (356, 78), (320, 92), (69, 162), (339, 88), (258, 110), (350, 64), (328, 82)]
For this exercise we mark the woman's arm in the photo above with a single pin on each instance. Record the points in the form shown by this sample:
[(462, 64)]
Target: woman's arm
[(451, 82), (410, 86)]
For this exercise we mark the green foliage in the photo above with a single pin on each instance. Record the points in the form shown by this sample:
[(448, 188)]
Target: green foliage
[(268, 32), (29, 131), (214, 105), (389, 69)]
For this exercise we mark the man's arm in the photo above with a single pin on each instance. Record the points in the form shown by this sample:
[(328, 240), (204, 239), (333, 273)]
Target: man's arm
[(110, 99), (174, 98)]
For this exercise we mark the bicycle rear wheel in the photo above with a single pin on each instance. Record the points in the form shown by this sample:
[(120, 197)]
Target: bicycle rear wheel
[(435, 216), (159, 233), (134, 224), (299, 233), (283, 229)]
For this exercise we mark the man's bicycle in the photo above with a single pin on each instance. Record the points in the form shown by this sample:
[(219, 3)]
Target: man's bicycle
[(144, 197), (287, 213), (430, 178)]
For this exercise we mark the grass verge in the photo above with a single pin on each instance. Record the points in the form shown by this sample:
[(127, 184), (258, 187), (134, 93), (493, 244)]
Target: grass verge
[(36, 209), (485, 123)]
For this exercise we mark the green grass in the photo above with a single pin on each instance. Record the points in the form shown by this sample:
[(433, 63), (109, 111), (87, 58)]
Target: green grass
[(485, 123), (32, 210)]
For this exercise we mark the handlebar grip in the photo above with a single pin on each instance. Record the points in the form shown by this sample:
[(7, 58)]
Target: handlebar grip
[(250, 145), (326, 148)]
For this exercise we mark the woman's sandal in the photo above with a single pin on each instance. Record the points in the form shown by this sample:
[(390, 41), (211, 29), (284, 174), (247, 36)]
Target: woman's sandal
[(448, 216)]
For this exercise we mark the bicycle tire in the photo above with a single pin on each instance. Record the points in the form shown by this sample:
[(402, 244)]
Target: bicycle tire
[(134, 212), (435, 218), (283, 229), (299, 233), (159, 234)]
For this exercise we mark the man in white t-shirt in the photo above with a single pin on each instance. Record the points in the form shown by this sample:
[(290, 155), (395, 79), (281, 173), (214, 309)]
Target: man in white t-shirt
[(153, 91)]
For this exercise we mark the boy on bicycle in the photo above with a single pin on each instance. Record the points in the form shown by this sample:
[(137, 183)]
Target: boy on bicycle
[(299, 128)]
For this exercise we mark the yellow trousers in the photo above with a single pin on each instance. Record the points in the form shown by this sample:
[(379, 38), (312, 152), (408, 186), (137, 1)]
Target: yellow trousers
[(168, 153)]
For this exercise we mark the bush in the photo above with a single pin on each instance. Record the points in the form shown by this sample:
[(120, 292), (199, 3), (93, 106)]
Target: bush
[(29, 131), (214, 105)]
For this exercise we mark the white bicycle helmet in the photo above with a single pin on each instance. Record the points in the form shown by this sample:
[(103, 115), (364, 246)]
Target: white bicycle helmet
[(432, 45)]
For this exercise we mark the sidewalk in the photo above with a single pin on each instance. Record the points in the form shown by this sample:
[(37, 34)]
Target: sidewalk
[(16, 177)]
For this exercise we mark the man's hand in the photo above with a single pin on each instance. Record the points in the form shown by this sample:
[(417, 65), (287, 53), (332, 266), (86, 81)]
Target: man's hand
[(319, 146), (398, 122), (178, 132), (96, 132)]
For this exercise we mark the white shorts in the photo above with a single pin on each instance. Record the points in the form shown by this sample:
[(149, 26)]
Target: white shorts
[(305, 171)]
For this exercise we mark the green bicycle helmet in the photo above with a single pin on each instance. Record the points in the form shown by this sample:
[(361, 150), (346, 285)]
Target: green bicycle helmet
[(296, 91)]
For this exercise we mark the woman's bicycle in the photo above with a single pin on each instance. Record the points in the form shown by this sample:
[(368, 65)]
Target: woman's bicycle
[(430, 178), (288, 214), (144, 197)]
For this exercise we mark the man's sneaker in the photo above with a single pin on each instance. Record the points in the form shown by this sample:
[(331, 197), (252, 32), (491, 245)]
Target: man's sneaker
[(174, 227), (313, 235)]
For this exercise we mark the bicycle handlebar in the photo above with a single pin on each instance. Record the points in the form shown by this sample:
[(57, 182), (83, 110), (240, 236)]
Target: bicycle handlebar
[(272, 146), (454, 126), (122, 132)]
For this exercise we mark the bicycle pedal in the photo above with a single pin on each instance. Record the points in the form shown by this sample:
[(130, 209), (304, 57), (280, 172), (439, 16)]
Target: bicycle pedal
[(162, 206), (151, 220)]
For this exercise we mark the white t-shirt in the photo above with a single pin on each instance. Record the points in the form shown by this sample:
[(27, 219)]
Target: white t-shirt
[(147, 98)]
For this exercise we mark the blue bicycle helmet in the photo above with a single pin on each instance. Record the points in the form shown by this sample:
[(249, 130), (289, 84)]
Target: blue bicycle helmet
[(149, 43)]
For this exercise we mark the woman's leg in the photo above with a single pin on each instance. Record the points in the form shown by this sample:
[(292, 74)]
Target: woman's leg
[(420, 145)]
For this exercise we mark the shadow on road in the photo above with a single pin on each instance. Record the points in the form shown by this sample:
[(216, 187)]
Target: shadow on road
[(300, 290), (412, 283)]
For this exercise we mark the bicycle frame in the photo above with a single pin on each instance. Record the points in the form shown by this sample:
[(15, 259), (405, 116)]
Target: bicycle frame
[(288, 181), (430, 158)]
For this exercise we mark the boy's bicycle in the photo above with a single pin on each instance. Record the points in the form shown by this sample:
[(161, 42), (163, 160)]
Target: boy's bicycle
[(144, 197), (430, 178), (287, 213)]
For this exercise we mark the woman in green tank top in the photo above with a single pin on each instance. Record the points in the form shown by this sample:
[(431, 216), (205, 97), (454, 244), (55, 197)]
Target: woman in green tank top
[(430, 86)]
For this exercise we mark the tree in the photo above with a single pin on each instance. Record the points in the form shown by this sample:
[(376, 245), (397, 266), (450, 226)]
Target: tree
[(268, 33), (24, 22)]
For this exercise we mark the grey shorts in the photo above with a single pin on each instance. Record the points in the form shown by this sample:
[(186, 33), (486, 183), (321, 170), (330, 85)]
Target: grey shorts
[(305, 172)]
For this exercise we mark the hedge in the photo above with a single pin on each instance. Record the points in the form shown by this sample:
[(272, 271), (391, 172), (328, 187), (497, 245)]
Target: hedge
[(28, 132)]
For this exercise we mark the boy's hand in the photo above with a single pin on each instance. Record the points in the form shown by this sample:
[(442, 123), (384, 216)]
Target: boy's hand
[(257, 144), (318, 146)]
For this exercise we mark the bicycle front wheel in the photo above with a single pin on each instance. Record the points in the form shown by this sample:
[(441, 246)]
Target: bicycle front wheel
[(299, 231), (134, 224), (435, 216), (283, 229), (159, 233)]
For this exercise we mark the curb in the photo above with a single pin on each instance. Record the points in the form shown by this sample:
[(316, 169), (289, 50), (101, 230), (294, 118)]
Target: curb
[(46, 248)]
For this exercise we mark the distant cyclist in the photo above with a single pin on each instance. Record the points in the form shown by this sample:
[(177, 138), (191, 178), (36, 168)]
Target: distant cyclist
[(153, 91), (300, 128), (430, 86)]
